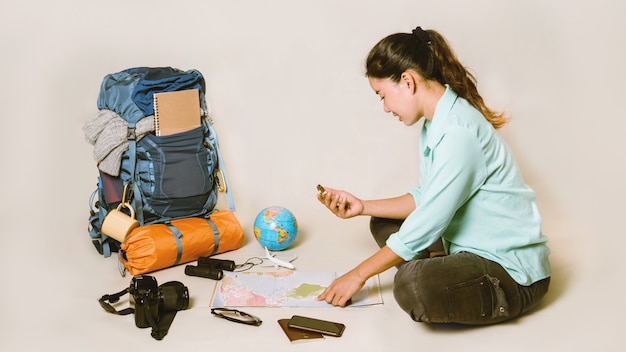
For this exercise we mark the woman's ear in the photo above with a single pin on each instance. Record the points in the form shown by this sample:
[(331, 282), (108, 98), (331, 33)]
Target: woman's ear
[(408, 80)]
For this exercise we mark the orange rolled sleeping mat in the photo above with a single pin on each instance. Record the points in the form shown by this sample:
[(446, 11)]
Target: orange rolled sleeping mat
[(158, 246)]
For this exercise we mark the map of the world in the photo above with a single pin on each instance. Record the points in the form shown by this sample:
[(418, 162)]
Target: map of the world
[(284, 289)]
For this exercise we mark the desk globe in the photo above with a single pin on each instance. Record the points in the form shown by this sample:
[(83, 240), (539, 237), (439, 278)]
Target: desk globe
[(275, 228)]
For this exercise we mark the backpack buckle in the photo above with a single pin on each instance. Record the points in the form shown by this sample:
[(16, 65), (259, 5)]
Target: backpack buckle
[(130, 133)]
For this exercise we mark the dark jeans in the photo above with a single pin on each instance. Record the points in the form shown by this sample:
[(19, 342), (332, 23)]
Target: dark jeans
[(461, 288)]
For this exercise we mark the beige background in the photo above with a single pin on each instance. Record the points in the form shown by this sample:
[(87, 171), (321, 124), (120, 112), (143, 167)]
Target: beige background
[(293, 108)]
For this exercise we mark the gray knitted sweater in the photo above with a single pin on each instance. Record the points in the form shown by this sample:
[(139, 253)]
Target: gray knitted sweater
[(107, 133)]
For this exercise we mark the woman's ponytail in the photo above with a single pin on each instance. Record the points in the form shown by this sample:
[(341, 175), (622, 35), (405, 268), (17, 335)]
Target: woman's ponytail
[(460, 79)]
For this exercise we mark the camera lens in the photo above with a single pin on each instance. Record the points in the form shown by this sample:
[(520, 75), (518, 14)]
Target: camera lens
[(173, 296)]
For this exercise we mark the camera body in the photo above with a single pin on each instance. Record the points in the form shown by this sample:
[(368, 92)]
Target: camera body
[(152, 302)]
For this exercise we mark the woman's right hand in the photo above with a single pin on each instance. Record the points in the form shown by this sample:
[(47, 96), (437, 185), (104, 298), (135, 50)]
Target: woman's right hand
[(341, 203)]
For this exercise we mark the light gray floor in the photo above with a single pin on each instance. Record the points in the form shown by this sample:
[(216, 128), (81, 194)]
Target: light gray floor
[(52, 303)]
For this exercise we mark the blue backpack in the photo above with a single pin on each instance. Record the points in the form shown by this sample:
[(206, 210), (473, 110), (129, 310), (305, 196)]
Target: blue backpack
[(161, 177)]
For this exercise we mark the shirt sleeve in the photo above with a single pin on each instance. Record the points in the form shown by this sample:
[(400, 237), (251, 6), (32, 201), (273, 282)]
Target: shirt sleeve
[(455, 171)]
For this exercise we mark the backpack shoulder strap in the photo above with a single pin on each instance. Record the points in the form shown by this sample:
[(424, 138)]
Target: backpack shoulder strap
[(131, 136)]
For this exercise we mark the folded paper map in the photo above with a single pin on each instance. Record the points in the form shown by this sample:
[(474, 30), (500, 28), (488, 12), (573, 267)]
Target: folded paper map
[(285, 289)]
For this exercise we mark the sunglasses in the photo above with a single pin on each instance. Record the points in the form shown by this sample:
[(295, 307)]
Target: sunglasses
[(236, 316)]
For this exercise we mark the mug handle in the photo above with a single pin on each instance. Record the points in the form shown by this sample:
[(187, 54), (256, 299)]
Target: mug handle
[(129, 207)]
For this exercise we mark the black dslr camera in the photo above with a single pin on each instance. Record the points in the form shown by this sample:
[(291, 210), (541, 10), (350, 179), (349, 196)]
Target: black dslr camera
[(152, 302), (155, 306)]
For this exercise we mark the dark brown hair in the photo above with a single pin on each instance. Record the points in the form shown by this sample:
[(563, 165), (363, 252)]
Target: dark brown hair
[(429, 54)]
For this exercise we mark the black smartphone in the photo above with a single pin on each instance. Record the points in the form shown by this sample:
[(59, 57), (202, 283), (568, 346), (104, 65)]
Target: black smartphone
[(322, 326)]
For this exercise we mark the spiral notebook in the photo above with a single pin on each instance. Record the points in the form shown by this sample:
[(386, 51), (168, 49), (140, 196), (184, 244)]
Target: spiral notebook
[(176, 112)]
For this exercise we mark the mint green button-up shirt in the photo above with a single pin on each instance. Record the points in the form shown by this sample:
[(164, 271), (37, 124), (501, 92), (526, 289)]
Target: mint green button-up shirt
[(473, 196)]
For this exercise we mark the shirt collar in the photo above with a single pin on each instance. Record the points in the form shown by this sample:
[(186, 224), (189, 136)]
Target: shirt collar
[(435, 128)]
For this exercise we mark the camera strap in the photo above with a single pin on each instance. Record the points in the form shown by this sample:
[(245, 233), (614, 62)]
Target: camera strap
[(112, 299), (160, 330)]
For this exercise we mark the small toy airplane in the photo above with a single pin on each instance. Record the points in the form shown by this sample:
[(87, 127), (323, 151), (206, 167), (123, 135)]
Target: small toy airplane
[(279, 263)]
